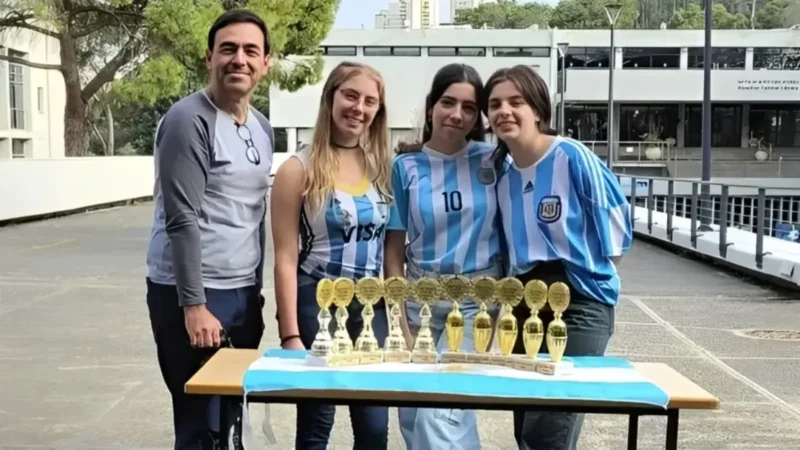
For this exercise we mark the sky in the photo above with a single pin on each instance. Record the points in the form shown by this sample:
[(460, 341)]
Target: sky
[(358, 13)]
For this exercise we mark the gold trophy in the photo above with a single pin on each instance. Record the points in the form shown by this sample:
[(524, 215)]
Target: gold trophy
[(455, 289), (395, 348), (368, 291), (343, 355), (483, 290), (427, 292), (533, 328), (323, 343), (558, 297), (509, 294)]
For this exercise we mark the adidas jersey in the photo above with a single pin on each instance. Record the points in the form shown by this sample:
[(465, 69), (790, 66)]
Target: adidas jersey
[(569, 207), (345, 237), (447, 205)]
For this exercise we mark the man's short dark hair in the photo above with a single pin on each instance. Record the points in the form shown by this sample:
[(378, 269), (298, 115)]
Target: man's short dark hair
[(235, 16)]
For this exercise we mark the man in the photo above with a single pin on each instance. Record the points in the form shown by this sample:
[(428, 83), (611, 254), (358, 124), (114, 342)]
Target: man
[(213, 156)]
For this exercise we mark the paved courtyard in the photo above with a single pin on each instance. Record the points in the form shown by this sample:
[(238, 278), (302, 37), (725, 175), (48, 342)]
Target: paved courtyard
[(78, 367)]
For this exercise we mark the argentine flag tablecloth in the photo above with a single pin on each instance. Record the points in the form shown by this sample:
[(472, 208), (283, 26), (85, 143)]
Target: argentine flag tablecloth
[(605, 379)]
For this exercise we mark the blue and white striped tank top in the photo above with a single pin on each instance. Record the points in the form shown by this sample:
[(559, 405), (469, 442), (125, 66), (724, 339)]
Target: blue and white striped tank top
[(344, 238)]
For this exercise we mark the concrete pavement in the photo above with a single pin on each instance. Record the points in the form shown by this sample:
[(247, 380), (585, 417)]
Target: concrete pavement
[(78, 368)]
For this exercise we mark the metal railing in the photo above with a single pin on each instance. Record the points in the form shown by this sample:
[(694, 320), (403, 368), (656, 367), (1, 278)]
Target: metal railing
[(765, 211), (637, 151)]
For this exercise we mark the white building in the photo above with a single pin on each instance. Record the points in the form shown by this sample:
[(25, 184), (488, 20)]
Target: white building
[(658, 82), (404, 14), (32, 100)]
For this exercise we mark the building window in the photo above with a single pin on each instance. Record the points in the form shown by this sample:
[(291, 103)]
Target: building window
[(456, 51), (586, 122), (17, 148), (721, 58), (651, 58), (726, 126), (392, 51), (776, 58), (637, 122), (339, 51), (521, 52), (16, 90), (776, 125), (587, 57)]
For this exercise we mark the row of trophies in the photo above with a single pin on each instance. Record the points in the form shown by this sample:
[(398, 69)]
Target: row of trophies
[(339, 350)]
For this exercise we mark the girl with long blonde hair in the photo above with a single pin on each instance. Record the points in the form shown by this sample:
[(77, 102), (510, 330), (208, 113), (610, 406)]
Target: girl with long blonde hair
[(329, 208)]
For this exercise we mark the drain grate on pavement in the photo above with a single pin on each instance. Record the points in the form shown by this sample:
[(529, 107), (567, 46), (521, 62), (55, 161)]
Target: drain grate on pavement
[(776, 335)]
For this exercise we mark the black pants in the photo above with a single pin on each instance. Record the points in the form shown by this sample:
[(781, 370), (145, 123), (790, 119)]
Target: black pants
[(590, 325), (314, 421), (197, 417)]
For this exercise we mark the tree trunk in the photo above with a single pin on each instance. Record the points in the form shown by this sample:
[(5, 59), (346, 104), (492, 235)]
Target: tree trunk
[(110, 140), (75, 124)]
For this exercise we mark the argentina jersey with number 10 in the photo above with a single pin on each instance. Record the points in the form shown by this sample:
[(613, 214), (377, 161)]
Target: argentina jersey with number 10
[(567, 207), (447, 205), (345, 237)]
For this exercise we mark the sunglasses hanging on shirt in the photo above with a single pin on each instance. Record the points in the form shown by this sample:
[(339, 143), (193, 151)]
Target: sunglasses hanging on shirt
[(252, 152)]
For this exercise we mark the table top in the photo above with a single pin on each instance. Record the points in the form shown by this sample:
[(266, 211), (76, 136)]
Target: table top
[(223, 374)]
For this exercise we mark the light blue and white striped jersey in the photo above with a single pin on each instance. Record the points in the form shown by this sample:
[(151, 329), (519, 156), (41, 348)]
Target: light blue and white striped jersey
[(447, 205), (345, 237), (569, 207)]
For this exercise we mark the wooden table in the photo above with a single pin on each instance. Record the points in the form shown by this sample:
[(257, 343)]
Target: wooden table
[(222, 375)]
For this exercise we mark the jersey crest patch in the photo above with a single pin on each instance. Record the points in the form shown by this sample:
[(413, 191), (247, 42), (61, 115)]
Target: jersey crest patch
[(549, 208)]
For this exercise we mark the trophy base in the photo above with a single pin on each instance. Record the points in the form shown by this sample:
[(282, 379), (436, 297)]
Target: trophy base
[(480, 358), (352, 359), (548, 367), (424, 357), (454, 357), (373, 357), (397, 356)]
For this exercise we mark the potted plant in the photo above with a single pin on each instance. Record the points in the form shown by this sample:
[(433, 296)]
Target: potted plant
[(652, 149), (761, 151)]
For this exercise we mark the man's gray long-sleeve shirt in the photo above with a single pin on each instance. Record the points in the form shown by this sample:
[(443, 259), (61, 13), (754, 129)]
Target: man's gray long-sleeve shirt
[(210, 199)]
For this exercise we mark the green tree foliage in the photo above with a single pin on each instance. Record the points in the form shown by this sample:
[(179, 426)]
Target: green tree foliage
[(643, 14), (693, 17)]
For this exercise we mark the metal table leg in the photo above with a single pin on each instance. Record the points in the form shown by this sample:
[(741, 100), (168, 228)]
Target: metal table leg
[(633, 431), (672, 429)]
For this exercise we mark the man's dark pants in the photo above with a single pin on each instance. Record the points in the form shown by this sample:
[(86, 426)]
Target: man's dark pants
[(315, 421), (590, 325), (197, 417)]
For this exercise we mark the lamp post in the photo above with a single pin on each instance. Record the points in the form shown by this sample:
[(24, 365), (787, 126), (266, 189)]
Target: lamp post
[(705, 188), (612, 11), (562, 50)]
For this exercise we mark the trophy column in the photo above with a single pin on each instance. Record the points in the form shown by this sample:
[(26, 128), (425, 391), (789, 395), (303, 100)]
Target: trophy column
[(369, 291), (323, 343), (456, 289), (509, 294), (343, 355), (427, 292), (483, 289), (558, 297), (396, 292), (533, 329)]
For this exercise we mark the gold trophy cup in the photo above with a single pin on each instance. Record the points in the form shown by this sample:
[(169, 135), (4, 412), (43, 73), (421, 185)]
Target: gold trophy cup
[(509, 293), (533, 328), (396, 291), (427, 292), (343, 355), (558, 297), (483, 290), (323, 343), (455, 289), (369, 291)]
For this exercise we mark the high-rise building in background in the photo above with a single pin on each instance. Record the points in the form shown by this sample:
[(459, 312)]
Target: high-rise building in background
[(465, 4), (409, 14)]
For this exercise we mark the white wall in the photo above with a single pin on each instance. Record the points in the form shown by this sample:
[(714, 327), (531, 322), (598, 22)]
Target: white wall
[(43, 186), (44, 128)]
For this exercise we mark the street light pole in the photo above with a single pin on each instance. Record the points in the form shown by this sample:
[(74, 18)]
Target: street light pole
[(612, 11), (705, 187), (562, 49)]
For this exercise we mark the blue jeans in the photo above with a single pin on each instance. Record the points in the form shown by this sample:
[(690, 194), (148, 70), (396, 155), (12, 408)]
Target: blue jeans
[(590, 325), (434, 429), (315, 421)]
